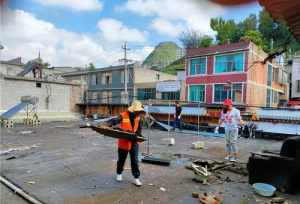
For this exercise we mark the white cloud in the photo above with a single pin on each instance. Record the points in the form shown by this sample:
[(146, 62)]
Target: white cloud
[(77, 5), (115, 31), (24, 35), (194, 13), (166, 27), (140, 54)]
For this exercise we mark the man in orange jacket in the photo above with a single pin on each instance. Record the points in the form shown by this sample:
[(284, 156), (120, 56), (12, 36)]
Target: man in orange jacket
[(129, 121)]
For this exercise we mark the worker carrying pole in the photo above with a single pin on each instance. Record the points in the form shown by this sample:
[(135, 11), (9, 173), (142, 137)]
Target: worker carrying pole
[(129, 121)]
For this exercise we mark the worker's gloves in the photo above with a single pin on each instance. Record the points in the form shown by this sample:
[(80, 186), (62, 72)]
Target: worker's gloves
[(217, 130)]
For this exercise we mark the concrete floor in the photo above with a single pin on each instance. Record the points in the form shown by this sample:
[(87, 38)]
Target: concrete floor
[(8, 197), (72, 165)]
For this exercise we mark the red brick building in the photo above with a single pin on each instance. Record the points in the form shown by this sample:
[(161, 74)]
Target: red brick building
[(234, 71)]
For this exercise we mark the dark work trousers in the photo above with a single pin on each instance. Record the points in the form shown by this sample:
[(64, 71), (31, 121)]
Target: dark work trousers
[(177, 123), (133, 158)]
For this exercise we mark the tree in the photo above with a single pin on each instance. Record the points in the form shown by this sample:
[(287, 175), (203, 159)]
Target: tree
[(255, 37), (276, 35), (193, 39), (250, 23), (226, 30), (91, 66), (206, 41), (272, 36), (229, 31)]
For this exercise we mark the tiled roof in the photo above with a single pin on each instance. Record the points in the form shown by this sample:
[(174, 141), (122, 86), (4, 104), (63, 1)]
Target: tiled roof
[(244, 45)]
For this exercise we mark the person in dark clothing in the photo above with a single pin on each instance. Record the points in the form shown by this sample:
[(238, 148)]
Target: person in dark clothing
[(177, 115), (129, 121)]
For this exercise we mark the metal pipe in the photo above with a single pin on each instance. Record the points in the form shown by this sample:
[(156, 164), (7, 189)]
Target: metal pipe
[(19, 191)]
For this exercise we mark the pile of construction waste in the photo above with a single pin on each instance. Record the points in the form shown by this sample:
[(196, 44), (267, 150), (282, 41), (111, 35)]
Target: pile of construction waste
[(209, 171)]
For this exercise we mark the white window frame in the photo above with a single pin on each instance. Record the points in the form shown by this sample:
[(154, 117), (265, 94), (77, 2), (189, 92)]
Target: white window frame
[(231, 53), (103, 78), (213, 92), (298, 86), (189, 66), (189, 86)]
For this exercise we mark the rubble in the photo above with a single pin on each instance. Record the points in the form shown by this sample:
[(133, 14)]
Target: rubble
[(201, 173), (169, 141), (277, 200), (162, 189), (208, 198), (210, 171), (16, 149), (198, 145)]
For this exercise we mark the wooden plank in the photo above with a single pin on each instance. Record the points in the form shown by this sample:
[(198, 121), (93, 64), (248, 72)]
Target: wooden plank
[(110, 132)]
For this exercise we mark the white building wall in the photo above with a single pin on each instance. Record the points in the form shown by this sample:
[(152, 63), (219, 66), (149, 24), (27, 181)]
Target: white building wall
[(10, 69), (56, 100), (295, 77)]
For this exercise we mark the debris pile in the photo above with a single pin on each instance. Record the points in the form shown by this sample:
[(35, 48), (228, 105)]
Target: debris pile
[(201, 173), (208, 198), (208, 171)]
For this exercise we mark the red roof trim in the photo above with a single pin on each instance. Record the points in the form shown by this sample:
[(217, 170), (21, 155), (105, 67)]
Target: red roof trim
[(191, 52)]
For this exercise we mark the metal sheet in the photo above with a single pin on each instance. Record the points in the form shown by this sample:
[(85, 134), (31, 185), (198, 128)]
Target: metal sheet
[(279, 114), (13, 111), (292, 129), (193, 111)]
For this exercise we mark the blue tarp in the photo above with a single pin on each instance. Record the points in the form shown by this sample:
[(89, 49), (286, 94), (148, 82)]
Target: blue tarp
[(211, 134), (13, 111)]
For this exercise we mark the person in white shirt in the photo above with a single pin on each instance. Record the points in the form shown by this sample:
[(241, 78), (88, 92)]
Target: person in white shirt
[(231, 119)]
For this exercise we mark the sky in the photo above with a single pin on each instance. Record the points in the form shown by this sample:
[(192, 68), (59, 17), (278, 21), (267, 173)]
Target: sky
[(77, 32)]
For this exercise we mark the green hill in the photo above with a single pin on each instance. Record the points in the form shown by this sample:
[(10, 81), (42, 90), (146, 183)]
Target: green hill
[(163, 55)]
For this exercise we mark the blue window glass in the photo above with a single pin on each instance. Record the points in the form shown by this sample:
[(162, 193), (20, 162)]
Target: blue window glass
[(220, 94), (229, 63), (145, 94), (198, 66), (270, 75), (170, 95), (197, 93), (269, 97), (235, 92)]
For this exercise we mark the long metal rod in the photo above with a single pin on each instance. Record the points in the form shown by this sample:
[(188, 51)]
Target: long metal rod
[(19, 191)]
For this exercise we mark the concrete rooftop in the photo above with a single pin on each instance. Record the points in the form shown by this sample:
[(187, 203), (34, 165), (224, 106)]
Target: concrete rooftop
[(71, 165)]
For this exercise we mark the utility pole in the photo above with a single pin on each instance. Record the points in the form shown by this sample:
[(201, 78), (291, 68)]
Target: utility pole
[(125, 60)]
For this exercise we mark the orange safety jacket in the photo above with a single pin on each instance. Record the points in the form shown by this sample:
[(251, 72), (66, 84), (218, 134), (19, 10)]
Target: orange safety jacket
[(125, 125)]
